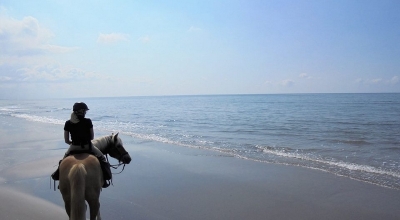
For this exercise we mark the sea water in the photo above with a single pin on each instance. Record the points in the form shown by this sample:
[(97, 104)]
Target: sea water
[(352, 135)]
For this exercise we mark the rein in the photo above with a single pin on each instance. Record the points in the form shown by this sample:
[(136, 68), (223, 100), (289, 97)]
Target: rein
[(115, 166)]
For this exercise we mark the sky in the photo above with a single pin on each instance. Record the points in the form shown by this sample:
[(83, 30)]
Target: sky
[(107, 48)]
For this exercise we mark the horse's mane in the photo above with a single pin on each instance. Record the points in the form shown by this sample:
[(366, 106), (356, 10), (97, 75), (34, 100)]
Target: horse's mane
[(102, 142)]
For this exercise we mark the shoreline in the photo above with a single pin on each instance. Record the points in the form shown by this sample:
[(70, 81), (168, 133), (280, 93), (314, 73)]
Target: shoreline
[(171, 182)]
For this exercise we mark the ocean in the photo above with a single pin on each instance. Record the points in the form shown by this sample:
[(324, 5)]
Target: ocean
[(351, 135)]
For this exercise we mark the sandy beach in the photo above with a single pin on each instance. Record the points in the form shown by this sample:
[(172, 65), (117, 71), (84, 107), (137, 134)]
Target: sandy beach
[(171, 182)]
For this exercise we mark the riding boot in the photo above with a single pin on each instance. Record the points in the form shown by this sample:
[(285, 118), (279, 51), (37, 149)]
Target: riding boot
[(105, 167), (56, 174)]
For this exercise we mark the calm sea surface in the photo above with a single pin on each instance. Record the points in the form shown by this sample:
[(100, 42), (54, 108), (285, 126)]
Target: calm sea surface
[(353, 135)]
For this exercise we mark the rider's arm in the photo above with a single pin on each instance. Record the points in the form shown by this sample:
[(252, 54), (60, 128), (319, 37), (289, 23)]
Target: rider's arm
[(66, 137), (91, 134)]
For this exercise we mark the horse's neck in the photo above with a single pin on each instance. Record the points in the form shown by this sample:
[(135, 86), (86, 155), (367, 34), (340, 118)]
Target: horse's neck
[(102, 143)]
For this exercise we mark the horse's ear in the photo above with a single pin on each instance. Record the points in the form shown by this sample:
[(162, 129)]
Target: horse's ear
[(116, 136)]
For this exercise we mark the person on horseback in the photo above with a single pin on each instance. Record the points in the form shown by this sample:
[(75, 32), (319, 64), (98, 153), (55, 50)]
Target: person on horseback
[(80, 129)]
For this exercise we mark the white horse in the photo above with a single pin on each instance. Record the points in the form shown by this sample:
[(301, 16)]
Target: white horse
[(81, 178)]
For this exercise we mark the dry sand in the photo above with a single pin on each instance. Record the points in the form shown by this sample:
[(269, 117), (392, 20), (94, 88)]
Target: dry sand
[(17, 205), (171, 182)]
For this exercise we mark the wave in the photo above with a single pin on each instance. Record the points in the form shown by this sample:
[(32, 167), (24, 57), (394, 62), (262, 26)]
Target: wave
[(351, 142), (39, 119), (297, 158), (348, 166), (101, 118), (366, 173), (10, 109)]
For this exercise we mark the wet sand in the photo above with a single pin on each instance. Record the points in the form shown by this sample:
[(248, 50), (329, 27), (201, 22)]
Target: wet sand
[(172, 182)]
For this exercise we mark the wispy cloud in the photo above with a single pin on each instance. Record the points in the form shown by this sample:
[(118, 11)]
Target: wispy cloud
[(304, 76), (377, 81), (55, 72), (284, 83), (394, 80), (112, 38), (26, 52), (287, 82), (26, 37), (144, 39), (59, 49), (359, 80), (194, 29), (5, 78)]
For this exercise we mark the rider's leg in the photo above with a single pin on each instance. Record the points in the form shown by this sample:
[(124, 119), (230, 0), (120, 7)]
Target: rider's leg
[(105, 166), (56, 174)]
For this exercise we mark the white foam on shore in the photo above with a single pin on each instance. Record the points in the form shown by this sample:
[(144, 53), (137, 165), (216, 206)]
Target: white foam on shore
[(348, 167), (340, 164), (39, 119)]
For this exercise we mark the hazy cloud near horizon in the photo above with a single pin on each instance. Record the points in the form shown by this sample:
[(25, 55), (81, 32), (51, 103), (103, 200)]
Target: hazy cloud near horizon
[(186, 48)]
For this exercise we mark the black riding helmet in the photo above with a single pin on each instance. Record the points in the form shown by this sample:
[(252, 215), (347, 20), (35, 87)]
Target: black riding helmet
[(80, 106)]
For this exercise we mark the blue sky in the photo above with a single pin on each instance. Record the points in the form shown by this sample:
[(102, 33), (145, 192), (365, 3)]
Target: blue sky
[(68, 48)]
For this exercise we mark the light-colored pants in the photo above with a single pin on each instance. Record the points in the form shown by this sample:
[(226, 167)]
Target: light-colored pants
[(77, 148)]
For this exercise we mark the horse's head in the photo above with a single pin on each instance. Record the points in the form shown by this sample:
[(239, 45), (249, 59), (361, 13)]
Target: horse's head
[(117, 150)]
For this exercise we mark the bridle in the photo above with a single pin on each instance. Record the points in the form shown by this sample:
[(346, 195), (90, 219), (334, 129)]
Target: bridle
[(122, 152)]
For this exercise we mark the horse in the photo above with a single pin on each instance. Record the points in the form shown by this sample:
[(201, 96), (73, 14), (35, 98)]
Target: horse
[(81, 177)]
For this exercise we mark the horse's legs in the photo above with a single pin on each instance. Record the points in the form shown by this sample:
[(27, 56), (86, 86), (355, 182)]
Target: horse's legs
[(98, 215), (94, 206), (67, 204)]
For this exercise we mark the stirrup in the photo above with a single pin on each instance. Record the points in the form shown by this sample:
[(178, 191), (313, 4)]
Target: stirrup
[(56, 175), (106, 184)]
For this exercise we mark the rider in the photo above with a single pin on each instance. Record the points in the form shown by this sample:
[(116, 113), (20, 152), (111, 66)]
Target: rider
[(80, 129)]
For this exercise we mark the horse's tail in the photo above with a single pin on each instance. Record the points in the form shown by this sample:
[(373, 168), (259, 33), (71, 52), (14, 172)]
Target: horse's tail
[(77, 178)]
